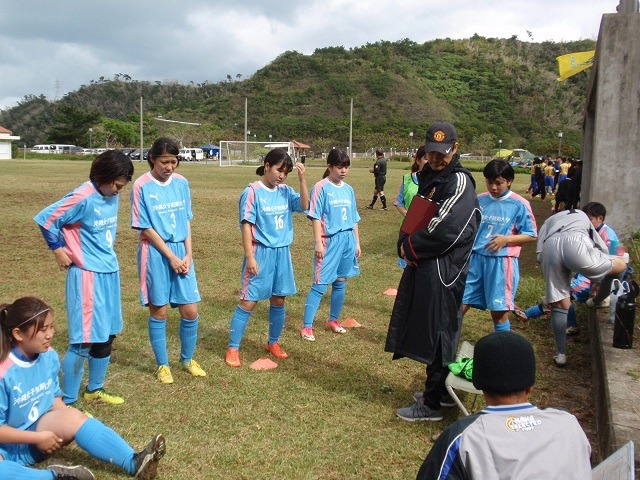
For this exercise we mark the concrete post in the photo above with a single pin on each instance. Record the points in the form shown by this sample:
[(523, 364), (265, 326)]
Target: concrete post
[(611, 129)]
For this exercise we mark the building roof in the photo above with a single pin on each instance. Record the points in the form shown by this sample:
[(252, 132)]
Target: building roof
[(4, 130)]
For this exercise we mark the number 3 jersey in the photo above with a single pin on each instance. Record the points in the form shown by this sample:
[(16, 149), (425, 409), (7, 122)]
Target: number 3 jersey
[(269, 211), (334, 205), (85, 223), (27, 388), (165, 207)]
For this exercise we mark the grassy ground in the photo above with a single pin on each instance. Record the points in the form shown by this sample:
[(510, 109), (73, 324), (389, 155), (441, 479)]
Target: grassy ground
[(328, 412)]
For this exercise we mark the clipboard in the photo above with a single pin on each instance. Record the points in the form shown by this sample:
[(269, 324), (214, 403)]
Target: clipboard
[(420, 213)]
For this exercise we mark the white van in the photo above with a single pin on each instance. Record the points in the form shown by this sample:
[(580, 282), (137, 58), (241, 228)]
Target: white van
[(54, 148), (191, 153)]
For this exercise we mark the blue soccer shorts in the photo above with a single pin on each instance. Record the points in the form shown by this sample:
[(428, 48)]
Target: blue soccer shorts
[(339, 259), (491, 282), (275, 274)]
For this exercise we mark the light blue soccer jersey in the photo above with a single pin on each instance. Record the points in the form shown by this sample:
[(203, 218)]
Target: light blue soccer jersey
[(27, 388), (85, 222), (165, 207), (334, 205), (269, 211), (509, 214)]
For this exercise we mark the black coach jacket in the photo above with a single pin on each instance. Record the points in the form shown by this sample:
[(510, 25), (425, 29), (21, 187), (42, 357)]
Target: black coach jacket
[(427, 307)]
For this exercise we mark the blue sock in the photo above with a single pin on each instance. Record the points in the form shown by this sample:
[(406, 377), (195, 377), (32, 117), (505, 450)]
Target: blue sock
[(502, 327), (73, 371), (158, 339), (276, 322), (337, 299), (238, 325), (535, 311), (313, 302), (188, 338), (572, 321), (103, 443), (97, 372), (15, 471)]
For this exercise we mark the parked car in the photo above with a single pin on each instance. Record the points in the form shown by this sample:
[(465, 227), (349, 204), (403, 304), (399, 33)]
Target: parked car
[(135, 155), (127, 151)]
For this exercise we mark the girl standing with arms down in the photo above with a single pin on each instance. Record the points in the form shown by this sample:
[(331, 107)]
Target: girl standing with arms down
[(266, 222), (334, 220), (161, 211), (35, 422), (80, 229)]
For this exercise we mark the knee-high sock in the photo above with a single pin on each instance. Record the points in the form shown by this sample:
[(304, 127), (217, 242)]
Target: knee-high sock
[(15, 471), (97, 372), (337, 299), (276, 322), (373, 200), (158, 339), (72, 371), (502, 327), (103, 443), (571, 317), (312, 303), (535, 311), (238, 325), (559, 327), (383, 199), (188, 338)]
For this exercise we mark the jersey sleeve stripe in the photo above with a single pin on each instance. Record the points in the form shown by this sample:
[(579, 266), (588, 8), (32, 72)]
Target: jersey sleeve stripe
[(78, 196)]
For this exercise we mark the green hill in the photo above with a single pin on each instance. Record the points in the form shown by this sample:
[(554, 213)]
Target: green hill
[(490, 88)]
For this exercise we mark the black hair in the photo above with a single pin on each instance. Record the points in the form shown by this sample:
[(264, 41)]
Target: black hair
[(421, 152), (379, 152), (163, 145), (21, 314), (595, 209), (109, 166), (337, 158), (274, 157), (498, 168)]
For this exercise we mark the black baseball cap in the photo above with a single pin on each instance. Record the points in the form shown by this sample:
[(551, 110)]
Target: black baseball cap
[(441, 136)]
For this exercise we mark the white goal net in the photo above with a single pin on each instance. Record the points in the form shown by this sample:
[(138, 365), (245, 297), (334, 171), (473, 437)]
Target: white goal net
[(233, 152)]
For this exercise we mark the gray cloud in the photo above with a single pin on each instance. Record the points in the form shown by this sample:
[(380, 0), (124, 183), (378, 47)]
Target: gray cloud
[(75, 41)]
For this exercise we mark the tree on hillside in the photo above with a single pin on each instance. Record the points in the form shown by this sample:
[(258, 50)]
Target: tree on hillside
[(71, 125)]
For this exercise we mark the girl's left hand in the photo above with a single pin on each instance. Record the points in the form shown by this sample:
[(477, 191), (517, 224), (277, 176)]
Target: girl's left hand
[(497, 242), (186, 265), (49, 442), (301, 171)]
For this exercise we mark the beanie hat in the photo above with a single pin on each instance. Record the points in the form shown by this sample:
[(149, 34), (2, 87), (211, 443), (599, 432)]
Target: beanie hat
[(441, 136), (503, 362)]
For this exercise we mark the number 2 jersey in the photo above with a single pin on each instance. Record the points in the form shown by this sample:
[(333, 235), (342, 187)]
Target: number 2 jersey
[(509, 214), (27, 388), (269, 211), (85, 223), (334, 205)]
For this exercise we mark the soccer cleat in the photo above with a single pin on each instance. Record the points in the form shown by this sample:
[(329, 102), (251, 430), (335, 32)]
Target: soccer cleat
[(384, 208), (146, 462), (276, 350), (335, 327), (307, 334), (232, 357), (66, 472), (77, 407), (592, 304), (369, 207), (418, 411), (560, 359), (193, 368), (164, 374), (102, 396), (571, 330), (520, 314)]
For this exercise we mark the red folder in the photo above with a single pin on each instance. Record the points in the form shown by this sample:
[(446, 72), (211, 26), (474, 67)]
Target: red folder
[(420, 213)]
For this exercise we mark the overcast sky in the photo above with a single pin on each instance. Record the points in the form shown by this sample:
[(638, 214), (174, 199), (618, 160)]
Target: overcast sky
[(52, 47)]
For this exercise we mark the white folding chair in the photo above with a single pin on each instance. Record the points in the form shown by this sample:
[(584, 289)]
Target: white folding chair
[(454, 382)]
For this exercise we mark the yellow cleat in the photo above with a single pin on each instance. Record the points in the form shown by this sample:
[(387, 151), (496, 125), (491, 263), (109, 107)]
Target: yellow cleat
[(193, 368), (164, 374), (101, 396)]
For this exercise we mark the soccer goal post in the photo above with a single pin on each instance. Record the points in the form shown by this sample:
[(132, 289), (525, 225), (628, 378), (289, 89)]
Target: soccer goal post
[(234, 152)]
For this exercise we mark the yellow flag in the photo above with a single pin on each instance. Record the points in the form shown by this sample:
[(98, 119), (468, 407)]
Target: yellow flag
[(572, 63)]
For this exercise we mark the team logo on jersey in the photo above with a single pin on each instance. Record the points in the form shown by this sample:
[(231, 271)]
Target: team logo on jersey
[(439, 136), (96, 211), (154, 196), (17, 388), (522, 424), (329, 194), (430, 194)]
